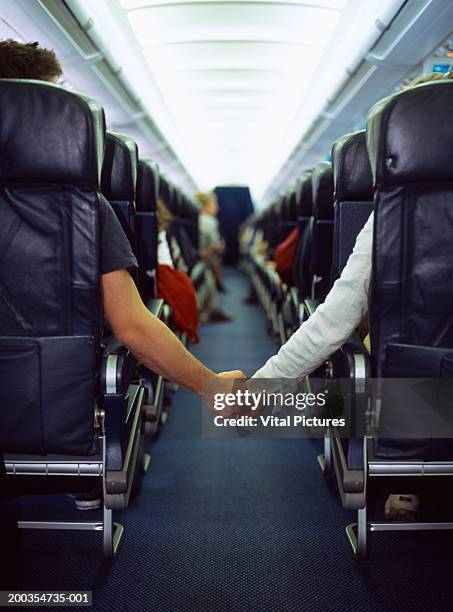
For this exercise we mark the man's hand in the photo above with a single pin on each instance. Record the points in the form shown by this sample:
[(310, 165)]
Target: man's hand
[(217, 388), (232, 374)]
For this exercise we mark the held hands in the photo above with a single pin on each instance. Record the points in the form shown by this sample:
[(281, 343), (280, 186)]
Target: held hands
[(225, 395), (219, 388)]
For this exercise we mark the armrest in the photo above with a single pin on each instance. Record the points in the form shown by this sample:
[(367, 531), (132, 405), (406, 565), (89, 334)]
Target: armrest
[(294, 297), (197, 273), (351, 483), (356, 359), (351, 364), (117, 368), (156, 307), (310, 305), (122, 441)]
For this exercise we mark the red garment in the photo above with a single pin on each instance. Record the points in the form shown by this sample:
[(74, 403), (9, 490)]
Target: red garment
[(177, 290), (285, 255)]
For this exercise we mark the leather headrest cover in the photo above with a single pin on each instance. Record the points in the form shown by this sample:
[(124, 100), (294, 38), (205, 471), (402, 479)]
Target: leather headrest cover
[(322, 183), (147, 186), (292, 206), (164, 191), (351, 169), (410, 135), (305, 195), (119, 172), (49, 135)]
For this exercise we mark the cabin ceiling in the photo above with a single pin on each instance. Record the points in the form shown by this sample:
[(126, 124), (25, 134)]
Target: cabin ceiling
[(239, 81), (232, 74)]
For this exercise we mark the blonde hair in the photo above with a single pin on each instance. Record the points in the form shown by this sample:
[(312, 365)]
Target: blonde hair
[(204, 199), (164, 216)]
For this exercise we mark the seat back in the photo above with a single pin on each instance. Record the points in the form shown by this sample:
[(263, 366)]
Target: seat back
[(147, 227), (410, 145), (319, 258), (192, 213), (411, 295), (187, 215), (178, 227), (51, 151), (353, 195), (164, 192), (305, 211), (119, 179), (287, 215)]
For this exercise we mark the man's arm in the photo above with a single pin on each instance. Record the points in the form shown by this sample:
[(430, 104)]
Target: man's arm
[(333, 321), (151, 341)]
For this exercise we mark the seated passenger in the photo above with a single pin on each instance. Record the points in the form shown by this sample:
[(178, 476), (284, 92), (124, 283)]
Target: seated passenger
[(284, 257), (175, 286), (147, 337)]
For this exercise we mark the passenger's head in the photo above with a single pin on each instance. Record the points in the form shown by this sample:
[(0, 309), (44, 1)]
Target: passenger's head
[(164, 216), (28, 61), (208, 203), (429, 77)]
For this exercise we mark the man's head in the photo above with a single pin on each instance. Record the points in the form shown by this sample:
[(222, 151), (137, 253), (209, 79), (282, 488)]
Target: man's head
[(28, 61)]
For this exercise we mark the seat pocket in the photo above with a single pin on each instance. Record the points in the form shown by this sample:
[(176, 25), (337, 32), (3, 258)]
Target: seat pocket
[(20, 396), (47, 395)]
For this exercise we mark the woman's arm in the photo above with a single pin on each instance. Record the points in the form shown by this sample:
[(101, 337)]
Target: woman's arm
[(334, 320)]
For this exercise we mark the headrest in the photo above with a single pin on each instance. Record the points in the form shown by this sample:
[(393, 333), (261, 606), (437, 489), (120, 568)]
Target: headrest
[(410, 135), (164, 191), (147, 186), (305, 195), (322, 183), (49, 135), (188, 208), (119, 172), (351, 168), (286, 207), (292, 206), (173, 199), (179, 205)]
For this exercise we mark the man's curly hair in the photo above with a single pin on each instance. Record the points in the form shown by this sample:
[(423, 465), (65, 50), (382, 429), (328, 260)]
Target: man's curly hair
[(27, 61)]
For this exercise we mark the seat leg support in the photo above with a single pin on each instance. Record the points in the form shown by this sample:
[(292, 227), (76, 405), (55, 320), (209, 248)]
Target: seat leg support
[(111, 533), (325, 459), (358, 534)]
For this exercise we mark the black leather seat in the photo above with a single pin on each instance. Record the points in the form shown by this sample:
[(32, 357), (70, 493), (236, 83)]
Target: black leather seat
[(119, 178), (287, 215), (319, 263), (313, 262), (410, 296), (147, 245), (353, 204), (303, 221), (177, 231), (183, 234), (287, 299), (353, 195), (74, 411), (147, 227)]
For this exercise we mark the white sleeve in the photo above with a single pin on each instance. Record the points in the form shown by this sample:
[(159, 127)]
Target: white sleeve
[(163, 250), (333, 321)]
